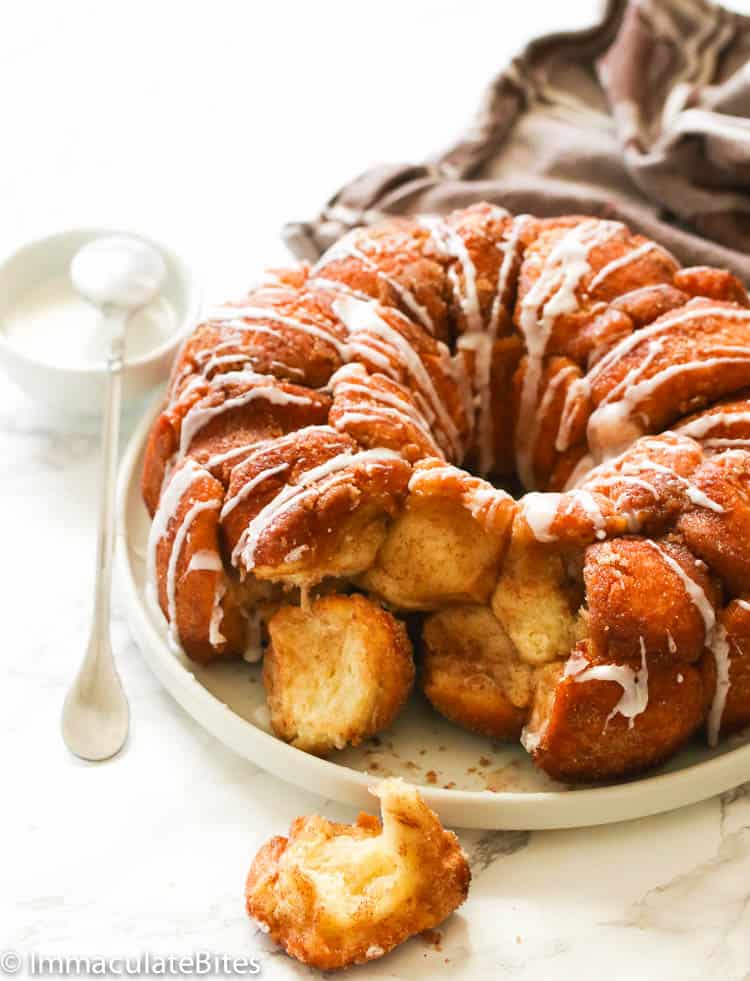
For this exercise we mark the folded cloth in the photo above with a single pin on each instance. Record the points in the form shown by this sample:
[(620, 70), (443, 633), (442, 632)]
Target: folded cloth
[(644, 117)]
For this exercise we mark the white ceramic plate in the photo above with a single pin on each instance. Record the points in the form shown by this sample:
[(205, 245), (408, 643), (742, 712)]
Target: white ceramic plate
[(468, 780)]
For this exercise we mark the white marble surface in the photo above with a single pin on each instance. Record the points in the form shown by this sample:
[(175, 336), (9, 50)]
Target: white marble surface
[(132, 114)]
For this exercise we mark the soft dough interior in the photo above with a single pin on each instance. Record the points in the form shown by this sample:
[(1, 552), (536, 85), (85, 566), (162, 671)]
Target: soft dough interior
[(435, 553)]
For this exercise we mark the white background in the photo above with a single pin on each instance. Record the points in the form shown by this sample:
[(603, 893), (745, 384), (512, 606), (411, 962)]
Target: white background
[(208, 125), (212, 123)]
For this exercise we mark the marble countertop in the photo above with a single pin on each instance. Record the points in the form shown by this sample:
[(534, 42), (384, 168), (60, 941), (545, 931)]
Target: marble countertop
[(149, 852)]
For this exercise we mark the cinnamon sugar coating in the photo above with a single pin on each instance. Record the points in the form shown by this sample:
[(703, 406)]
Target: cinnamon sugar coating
[(577, 734), (332, 431), (333, 895)]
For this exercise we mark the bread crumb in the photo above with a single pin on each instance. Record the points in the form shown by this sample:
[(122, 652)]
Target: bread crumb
[(433, 938)]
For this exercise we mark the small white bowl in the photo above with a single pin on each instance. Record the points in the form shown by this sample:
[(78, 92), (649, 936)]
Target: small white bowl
[(80, 389)]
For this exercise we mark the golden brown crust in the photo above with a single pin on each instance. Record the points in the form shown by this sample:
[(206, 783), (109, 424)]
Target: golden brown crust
[(690, 356), (644, 304), (725, 425), (326, 415), (213, 418), (379, 412), (309, 506), (561, 396), (735, 714), (471, 672), (611, 242), (504, 357), (651, 483), (624, 613), (333, 895), (576, 733), (265, 333), (337, 673), (720, 537), (716, 284), (487, 234), (395, 263), (192, 587)]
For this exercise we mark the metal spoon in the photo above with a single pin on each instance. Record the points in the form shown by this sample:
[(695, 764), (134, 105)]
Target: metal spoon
[(119, 274)]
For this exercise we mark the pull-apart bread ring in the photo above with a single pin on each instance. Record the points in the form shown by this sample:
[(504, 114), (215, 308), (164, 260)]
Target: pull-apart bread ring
[(346, 430)]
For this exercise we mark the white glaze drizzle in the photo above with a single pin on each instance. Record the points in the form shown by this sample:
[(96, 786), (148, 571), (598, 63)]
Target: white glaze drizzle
[(694, 591), (266, 388), (720, 650), (481, 342), (633, 518), (698, 428), (219, 458), (510, 250), (450, 243), (566, 416), (236, 316), (346, 247), (292, 494), (174, 556), (481, 498), (694, 494), (386, 405), (634, 684), (334, 286), (253, 636), (586, 501), (215, 636), (531, 740), (578, 389), (248, 487), (625, 345), (623, 478), (604, 436), (172, 494), (726, 443), (626, 260), (540, 510), (580, 472), (207, 560), (552, 295), (715, 640), (363, 319)]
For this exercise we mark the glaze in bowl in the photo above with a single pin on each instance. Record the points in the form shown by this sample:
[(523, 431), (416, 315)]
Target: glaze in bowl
[(79, 389)]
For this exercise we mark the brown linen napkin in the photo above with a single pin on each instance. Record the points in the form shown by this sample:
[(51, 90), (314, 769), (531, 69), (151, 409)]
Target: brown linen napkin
[(644, 117)]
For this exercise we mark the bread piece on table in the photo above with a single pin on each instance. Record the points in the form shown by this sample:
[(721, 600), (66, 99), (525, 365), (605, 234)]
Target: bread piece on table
[(333, 895)]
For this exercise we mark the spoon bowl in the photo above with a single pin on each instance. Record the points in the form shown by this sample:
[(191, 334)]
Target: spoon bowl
[(96, 717), (118, 271)]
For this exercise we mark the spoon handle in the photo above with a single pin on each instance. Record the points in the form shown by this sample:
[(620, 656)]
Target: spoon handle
[(110, 441), (95, 714)]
